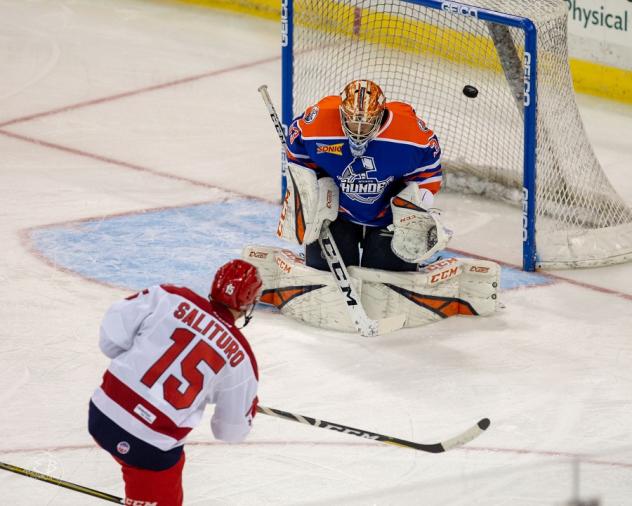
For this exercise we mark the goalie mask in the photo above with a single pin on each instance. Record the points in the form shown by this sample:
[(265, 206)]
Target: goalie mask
[(237, 285), (361, 113)]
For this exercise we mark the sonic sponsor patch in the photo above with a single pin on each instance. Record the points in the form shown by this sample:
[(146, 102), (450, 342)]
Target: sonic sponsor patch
[(310, 115), (329, 149)]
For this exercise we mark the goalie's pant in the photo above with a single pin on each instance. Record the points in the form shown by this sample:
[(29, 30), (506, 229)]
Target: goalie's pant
[(350, 238), (152, 477)]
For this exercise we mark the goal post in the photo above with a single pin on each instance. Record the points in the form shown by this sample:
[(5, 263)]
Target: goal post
[(520, 139)]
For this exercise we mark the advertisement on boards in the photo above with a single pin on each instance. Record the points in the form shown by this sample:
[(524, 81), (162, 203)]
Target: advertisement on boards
[(601, 19)]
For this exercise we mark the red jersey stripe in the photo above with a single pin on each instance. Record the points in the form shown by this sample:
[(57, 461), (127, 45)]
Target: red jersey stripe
[(129, 400)]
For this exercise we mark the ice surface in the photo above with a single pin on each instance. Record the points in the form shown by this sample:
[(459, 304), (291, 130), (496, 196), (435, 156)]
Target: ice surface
[(129, 121)]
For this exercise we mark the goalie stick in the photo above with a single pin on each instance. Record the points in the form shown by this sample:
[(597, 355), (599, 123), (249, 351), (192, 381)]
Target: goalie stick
[(361, 321), (440, 447), (363, 324)]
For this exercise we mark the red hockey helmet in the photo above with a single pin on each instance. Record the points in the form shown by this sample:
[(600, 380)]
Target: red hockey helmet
[(236, 285)]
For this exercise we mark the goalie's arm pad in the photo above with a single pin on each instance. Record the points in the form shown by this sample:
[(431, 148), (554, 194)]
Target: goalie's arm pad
[(417, 232), (308, 202)]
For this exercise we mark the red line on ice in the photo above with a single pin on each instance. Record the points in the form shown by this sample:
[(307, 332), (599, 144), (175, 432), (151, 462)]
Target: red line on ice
[(189, 79), (554, 277), (138, 91), (583, 458), (112, 161)]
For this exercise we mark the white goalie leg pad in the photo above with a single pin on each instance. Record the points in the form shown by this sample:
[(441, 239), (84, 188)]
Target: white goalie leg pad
[(264, 259), (417, 232), (300, 292), (445, 288), (307, 203), (424, 297), (478, 285)]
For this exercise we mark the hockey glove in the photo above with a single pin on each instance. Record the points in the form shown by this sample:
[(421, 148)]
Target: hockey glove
[(417, 232)]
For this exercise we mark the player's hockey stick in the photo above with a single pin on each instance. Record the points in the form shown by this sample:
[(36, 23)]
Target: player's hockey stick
[(62, 483), (443, 446), (363, 324)]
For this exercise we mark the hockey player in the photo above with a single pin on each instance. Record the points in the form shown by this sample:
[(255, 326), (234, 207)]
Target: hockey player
[(368, 169), (382, 163), (173, 352)]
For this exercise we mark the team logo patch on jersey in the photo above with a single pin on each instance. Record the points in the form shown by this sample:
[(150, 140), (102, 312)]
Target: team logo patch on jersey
[(329, 149), (434, 144), (294, 133), (356, 184), (310, 115), (123, 447)]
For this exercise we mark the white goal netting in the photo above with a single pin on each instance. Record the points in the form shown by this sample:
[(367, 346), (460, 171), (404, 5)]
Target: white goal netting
[(425, 57)]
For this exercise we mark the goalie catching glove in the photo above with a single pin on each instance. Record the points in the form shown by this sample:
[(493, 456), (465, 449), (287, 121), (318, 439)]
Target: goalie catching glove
[(417, 232), (308, 202)]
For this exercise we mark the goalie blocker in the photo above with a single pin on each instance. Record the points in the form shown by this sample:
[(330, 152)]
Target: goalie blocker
[(445, 288), (308, 202)]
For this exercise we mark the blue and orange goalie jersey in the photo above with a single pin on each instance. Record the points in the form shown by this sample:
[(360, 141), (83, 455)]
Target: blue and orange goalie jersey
[(404, 150)]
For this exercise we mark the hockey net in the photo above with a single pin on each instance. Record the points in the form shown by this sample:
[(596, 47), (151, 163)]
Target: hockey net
[(425, 57)]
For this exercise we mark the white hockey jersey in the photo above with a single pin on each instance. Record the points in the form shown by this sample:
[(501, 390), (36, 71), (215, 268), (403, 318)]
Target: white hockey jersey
[(172, 353)]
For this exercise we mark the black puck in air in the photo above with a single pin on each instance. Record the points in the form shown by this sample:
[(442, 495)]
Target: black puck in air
[(470, 91)]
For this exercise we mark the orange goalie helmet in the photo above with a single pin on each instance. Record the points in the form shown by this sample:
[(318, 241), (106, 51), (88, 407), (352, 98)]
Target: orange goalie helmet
[(361, 112)]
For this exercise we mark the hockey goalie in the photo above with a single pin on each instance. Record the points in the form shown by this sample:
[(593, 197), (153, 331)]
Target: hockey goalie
[(362, 173)]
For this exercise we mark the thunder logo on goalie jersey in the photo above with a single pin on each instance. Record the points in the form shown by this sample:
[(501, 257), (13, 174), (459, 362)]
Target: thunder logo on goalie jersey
[(403, 150), (356, 183)]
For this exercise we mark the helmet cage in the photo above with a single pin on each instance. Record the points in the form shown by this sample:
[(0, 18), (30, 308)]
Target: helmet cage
[(361, 112), (360, 128)]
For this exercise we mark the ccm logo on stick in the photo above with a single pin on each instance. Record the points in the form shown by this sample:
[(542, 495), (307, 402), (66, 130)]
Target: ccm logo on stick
[(463, 10), (349, 430), (339, 272)]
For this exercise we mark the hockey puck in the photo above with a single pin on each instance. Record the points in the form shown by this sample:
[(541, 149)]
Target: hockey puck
[(470, 91), (484, 423)]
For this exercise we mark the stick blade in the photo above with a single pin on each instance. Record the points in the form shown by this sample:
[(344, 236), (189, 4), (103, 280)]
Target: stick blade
[(467, 436), (390, 324)]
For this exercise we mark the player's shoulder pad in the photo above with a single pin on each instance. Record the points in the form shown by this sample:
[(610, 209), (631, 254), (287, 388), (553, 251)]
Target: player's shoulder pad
[(322, 119), (402, 124), (187, 293)]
